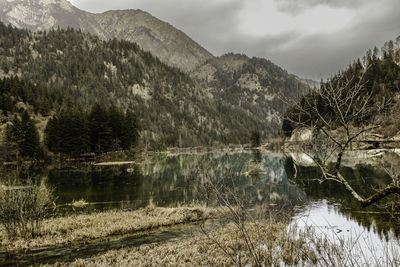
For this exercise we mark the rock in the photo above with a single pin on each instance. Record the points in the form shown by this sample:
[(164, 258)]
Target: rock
[(301, 135)]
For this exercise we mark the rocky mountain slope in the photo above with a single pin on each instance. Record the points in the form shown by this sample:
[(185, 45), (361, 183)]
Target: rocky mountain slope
[(169, 44), (172, 46), (254, 85)]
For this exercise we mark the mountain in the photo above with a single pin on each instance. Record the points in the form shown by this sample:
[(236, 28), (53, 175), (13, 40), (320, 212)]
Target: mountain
[(172, 46), (253, 85), (223, 99), (169, 44), (40, 15), (61, 67)]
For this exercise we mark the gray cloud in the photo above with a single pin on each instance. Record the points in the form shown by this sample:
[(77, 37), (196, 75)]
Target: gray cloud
[(215, 25), (297, 6), (320, 56)]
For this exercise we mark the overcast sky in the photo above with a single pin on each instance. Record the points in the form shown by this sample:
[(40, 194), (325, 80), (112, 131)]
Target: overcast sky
[(311, 38)]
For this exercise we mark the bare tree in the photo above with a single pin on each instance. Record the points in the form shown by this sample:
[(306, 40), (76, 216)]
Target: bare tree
[(337, 114)]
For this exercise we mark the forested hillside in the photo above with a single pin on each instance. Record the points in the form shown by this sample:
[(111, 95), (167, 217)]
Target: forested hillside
[(68, 65), (253, 85), (375, 79)]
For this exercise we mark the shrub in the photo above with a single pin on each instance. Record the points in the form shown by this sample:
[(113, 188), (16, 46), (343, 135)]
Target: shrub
[(23, 208)]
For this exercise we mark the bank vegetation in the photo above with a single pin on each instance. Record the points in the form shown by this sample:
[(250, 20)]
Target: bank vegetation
[(61, 231)]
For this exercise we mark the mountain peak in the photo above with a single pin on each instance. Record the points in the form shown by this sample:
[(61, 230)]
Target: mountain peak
[(169, 44), (62, 3), (37, 14)]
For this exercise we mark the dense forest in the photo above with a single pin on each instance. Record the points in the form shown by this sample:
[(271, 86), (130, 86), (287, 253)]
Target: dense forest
[(378, 74), (74, 131), (14, 90), (67, 66)]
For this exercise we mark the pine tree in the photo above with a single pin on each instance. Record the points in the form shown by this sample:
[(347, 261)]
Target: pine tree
[(255, 139), (100, 131), (68, 132), (116, 123), (52, 135), (23, 134), (130, 132), (80, 133)]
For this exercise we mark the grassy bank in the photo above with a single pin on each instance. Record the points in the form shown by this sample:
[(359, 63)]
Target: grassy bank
[(273, 246), (266, 244), (85, 228)]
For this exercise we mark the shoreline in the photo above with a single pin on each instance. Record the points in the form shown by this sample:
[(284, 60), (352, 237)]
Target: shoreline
[(74, 229)]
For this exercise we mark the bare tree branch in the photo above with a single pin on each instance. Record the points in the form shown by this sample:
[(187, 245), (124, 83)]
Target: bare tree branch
[(339, 105)]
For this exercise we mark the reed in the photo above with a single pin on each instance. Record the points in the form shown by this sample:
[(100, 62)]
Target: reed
[(85, 228)]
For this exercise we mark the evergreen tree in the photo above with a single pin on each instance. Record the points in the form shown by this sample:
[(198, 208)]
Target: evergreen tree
[(130, 132), (116, 123), (22, 133), (68, 132), (100, 130), (52, 135), (80, 133), (255, 139)]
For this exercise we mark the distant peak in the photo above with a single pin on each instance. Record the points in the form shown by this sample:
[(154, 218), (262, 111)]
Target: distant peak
[(62, 3), (127, 12)]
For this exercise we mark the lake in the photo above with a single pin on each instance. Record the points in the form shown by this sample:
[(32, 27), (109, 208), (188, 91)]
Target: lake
[(175, 180), (257, 177)]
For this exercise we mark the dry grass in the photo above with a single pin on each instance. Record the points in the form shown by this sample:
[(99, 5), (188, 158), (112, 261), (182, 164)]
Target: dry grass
[(276, 244), (84, 228), (114, 163), (222, 247)]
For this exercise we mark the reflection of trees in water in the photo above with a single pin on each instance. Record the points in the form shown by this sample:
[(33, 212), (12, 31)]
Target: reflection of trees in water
[(254, 177), (169, 181), (95, 184), (21, 171), (362, 177)]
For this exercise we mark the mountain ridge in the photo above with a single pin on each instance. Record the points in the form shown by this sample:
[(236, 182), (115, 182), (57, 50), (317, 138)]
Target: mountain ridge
[(170, 45)]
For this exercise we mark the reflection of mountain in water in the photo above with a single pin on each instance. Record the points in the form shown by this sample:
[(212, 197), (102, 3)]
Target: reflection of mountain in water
[(169, 181), (364, 178), (254, 176)]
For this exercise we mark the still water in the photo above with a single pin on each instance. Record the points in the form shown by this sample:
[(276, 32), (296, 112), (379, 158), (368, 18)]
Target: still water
[(169, 181), (257, 177)]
